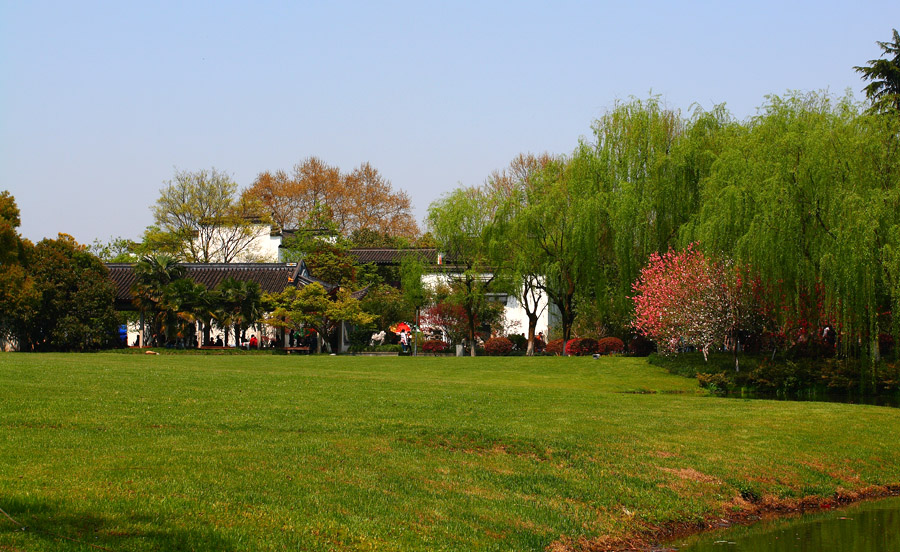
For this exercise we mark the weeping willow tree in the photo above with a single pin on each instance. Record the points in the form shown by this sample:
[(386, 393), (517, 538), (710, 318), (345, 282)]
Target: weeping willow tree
[(514, 189), (650, 162), (462, 223), (558, 231), (807, 193)]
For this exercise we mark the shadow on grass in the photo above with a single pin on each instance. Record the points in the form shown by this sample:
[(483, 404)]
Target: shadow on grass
[(59, 526)]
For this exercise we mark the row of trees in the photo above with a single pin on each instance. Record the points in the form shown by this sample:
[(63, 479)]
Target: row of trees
[(359, 200), (176, 308), (202, 216), (54, 295), (57, 296), (804, 197), (174, 305), (801, 199)]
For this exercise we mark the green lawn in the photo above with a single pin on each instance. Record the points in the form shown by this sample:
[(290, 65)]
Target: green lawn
[(185, 452)]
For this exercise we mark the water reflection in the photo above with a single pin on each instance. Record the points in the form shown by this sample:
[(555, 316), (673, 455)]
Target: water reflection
[(867, 527)]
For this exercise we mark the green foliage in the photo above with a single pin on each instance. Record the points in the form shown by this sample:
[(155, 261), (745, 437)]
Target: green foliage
[(199, 218), (238, 304), (462, 223), (651, 162), (807, 195), (884, 89), (325, 252), (116, 250), (387, 305), (153, 274), (311, 306), (785, 375), (559, 234), (519, 341), (716, 383), (72, 308), (18, 297), (11, 245), (413, 290)]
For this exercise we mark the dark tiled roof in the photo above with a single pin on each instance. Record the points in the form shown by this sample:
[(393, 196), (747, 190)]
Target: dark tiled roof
[(385, 256), (271, 277)]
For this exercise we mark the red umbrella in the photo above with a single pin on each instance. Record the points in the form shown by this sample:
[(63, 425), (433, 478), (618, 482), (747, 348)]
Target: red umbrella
[(403, 326)]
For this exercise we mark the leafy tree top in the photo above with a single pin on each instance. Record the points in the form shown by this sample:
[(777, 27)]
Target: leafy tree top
[(883, 89)]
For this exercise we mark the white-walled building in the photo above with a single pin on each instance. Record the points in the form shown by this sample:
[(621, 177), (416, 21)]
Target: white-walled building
[(515, 317), (266, 246)]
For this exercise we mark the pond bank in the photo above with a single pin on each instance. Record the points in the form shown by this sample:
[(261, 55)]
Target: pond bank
[(867, 526), (734, 513)]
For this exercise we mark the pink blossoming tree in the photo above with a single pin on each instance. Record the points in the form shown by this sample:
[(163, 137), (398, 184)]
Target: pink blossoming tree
[(687, 298)]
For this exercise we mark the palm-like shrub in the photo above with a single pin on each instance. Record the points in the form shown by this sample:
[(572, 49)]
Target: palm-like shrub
[(154, 273), (240, 305)]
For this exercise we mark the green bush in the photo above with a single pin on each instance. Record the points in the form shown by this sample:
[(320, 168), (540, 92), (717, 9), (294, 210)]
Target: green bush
[(715, 383), (785, 374), (360, 339), (519, 341)]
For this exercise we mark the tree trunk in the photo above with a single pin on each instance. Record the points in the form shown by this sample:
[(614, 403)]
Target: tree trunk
[(532, 326), (471, 333)]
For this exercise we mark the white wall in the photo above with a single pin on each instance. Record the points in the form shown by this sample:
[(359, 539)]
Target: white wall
[(514, 313), (263, 247)]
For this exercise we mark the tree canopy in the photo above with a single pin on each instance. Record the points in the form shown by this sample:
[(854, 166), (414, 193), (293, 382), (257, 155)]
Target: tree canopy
[(200, 218), (73, 304), (883, 75), (358, 200)]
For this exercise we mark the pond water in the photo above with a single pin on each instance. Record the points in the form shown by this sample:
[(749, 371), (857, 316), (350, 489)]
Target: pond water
[(880, 400), (872, 526)]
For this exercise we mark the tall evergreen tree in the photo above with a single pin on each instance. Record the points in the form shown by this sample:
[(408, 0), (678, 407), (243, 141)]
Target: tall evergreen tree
[(883, 89)]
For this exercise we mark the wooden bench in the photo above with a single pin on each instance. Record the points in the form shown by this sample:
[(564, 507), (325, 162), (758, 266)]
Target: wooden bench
[(290, 350)]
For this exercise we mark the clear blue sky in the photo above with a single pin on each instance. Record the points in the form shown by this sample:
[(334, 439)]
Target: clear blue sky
[(100, 102)]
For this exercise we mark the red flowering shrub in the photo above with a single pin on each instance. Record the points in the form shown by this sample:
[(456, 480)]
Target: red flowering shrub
[(498, 346), (451, 319), (555, 347), (641, 346), (609, 345), (435, 346), (578, 347)]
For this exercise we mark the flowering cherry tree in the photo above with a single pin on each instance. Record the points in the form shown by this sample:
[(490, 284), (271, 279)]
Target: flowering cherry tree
[(686, 298)]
